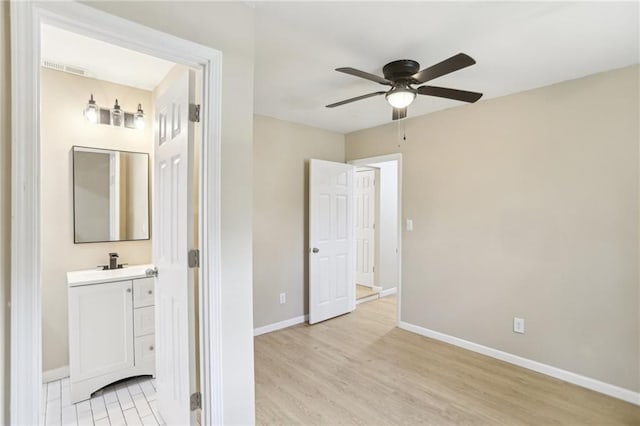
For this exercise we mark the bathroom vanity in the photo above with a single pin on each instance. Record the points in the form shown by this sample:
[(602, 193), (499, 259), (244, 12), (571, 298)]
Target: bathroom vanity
[(111, 327)]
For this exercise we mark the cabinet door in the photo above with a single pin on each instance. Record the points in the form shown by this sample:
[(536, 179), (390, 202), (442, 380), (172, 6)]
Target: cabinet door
[(144, 321), (146, 351), (143, 292), (100, 329)]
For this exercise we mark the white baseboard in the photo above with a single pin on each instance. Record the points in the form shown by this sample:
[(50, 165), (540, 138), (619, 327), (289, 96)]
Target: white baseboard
[(55, 374), (280, 325), (368, 298), (388, 292), (558, 373)]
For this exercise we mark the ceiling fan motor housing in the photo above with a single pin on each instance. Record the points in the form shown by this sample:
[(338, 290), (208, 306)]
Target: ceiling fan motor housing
[(402, 69)]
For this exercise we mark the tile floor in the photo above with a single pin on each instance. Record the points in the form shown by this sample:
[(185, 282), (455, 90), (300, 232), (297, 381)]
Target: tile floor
[(128, 402)]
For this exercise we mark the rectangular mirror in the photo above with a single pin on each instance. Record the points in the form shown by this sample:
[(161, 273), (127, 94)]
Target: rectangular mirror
[(110, 195)]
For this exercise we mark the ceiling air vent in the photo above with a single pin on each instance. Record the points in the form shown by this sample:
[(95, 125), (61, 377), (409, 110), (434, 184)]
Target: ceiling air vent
[(65, 68)]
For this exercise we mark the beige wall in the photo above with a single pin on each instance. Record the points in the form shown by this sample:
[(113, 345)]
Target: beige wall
[(5, 208), (527, 205), (228, 27), (63, 96), (280, 227)]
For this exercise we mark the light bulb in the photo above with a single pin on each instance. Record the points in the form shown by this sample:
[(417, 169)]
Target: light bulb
[(116, 115), (91, 111), (400, 97), (139, 118)]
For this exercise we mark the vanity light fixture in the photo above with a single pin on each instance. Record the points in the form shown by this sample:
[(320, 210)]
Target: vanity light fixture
[(139, 118), (116, 116), (91, 111)]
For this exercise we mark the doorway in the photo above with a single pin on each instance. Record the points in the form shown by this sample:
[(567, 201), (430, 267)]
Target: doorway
[(26, 295), (332, 234), (380, 199), (367, 217), (97, 333)]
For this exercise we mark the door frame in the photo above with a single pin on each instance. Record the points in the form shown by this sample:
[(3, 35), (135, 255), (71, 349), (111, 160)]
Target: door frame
[(26, 308), (382, 159)]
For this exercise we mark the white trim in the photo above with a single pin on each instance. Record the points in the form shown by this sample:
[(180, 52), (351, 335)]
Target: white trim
[(55, 374), (26, 331), (368, 298), (558, 373), (210, 276), (388, 292), (280, 325), (372, 287), (26, 314), (382, 159)]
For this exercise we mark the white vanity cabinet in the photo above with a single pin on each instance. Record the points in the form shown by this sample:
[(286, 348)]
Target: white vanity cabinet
[(111, 327)]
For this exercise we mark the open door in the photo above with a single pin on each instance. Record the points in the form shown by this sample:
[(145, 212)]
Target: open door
[(173, 238), (365, 227), (332, 240)]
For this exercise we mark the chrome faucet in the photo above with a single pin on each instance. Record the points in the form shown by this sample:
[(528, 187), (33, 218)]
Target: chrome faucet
[(113, 260)]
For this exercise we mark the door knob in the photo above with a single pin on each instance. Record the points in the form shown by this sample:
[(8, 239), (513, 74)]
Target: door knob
[(315, 249)]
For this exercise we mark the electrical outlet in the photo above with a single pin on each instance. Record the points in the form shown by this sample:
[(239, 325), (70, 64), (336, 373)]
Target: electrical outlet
[(409, 225), (518, 325), (283, 298)]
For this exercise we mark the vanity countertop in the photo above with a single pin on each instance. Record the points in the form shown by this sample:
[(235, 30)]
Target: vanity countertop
[(93, 276)]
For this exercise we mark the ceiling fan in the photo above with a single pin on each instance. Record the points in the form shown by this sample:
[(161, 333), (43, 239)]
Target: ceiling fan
[(401, 75)]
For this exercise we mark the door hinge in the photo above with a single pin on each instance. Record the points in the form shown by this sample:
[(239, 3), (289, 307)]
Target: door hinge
[(374, 269), (194, 113), (194, 258), (196, 401)]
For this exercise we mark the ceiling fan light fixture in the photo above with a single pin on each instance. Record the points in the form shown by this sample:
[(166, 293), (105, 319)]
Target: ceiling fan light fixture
[(400, 97)]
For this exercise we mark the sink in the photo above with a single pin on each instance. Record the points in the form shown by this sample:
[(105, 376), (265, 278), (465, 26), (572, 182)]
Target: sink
[(92, 276)]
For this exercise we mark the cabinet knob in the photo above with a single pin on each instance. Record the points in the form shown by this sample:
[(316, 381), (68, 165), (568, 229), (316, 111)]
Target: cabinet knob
[(150, 291), (128, 290), (151, 348)]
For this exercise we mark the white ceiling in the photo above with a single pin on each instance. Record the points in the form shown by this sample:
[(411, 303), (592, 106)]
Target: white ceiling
[(102, 60), (517, 46)]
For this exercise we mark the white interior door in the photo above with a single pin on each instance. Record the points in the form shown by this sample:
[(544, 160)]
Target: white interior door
[(173, 238), (332, 240), (365, 227)]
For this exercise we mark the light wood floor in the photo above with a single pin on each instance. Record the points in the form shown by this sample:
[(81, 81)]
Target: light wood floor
[(363, 291), (360, 369)]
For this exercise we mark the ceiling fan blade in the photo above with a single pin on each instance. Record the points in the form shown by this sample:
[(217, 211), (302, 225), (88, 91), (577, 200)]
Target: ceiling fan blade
[(454, 63), (357, 98), (444, 92), (399, 113), (366, 75)]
